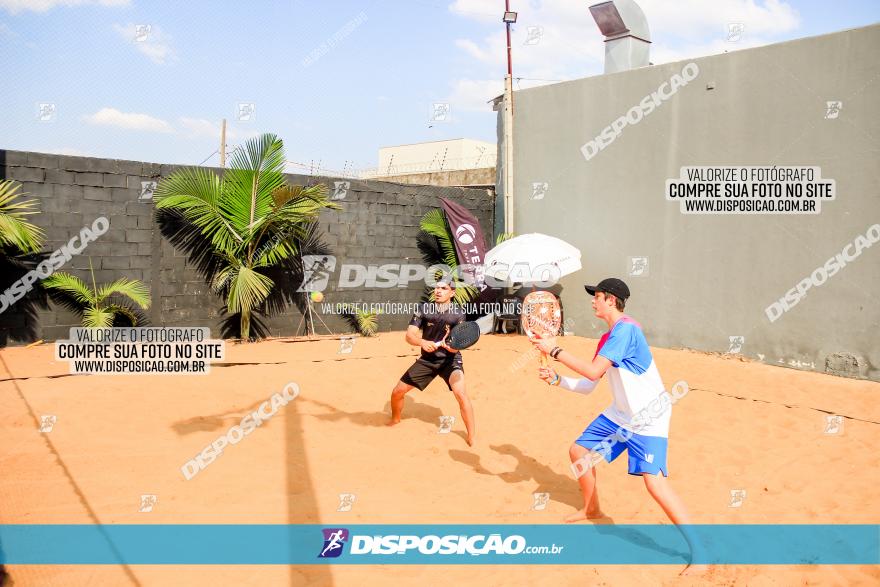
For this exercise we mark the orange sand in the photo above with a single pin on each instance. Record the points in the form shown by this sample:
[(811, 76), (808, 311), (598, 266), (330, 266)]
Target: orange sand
[(744, 425)]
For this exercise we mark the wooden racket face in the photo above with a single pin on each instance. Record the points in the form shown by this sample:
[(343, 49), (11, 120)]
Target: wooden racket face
[(541, 314)]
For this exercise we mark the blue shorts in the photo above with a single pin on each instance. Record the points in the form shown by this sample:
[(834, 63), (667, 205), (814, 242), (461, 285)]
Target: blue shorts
[(647, 454)]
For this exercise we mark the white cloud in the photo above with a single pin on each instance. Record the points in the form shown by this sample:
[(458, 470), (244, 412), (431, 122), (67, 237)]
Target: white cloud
[(128, 121), (473, 95), (16, 6), (475, 51), (570, 46), (565, 42), (149, 40), (199, 127), (187, 127), (697, 19)]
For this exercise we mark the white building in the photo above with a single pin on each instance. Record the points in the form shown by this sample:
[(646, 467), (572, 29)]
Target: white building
[(417, 158)]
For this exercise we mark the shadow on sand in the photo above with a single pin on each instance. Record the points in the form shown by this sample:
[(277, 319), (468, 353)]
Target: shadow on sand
[(562, 489), (411, 409)]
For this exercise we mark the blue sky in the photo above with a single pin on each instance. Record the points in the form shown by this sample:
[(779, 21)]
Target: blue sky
[(335, 79)]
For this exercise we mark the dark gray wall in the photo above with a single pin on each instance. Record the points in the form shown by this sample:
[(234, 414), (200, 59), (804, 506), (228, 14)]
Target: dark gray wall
[(711, 277), (378, 225)]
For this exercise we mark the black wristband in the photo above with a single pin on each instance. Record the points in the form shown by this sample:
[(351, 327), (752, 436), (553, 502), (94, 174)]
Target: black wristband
[(555, 352)]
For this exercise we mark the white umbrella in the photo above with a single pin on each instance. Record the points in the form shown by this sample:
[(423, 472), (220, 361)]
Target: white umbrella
[(531, 258)]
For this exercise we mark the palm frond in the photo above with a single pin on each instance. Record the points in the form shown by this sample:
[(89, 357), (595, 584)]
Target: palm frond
[(288, 274), (133, 289), (294, 207), (72, 286), (429, 247), (504, 236), (247, 288), (188, 238), (197, 194), (126, 316), (302, 195), (23, 324), (434, 223), (97, 317), (368, 322), (362, 321), (276, 250), (255, 172), (14, 230)]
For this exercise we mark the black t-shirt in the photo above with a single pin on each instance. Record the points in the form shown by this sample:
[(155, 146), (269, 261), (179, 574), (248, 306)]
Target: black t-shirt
[(434, 327)]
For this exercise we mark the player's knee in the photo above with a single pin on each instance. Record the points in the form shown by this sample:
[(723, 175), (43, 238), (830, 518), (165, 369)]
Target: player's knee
[(654, 483), (576, 451), (400, 390)]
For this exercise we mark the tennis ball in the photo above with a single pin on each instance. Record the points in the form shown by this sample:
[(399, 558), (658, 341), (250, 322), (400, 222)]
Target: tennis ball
[(317, 296)]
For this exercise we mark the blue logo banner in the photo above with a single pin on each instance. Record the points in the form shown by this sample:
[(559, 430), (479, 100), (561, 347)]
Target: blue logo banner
[(295, 544)]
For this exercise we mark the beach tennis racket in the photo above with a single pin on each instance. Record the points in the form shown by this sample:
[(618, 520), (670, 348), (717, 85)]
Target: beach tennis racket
[(462, 336), (541, 316)]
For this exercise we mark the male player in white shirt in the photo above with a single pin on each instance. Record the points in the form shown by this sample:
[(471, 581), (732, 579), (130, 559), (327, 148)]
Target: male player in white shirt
[(638, 419)]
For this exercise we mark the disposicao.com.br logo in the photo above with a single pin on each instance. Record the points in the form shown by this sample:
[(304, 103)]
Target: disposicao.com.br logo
[(334, 540)]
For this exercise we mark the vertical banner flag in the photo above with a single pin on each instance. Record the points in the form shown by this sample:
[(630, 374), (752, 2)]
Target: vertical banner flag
[(470, 246)]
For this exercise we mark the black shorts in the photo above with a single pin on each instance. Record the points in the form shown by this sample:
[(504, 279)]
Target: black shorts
[(423, 372)]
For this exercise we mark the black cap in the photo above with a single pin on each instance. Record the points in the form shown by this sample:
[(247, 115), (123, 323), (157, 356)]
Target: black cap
[(612, 285)]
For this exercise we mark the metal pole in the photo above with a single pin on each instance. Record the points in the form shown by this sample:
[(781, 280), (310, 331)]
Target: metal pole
[(509, 67), (508, 154), (223, 144), (508, 134)]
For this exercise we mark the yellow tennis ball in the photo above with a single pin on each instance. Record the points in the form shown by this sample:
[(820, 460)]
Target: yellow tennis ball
[(317, 296)]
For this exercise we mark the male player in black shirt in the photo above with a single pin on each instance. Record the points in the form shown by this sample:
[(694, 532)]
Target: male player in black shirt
[(435, 321)]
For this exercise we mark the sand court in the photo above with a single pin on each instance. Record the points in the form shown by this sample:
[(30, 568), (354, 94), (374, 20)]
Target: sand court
[(763, 436)]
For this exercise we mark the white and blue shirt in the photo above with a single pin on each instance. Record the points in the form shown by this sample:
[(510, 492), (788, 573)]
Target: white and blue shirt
[(635, 381)]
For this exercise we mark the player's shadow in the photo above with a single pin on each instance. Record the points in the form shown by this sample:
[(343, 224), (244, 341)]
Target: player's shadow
[(549, 481), (424, 412), (214, 421), (411, 409), (639, 538), (562, 489), (527, 469), (334, 414), (470, 459)]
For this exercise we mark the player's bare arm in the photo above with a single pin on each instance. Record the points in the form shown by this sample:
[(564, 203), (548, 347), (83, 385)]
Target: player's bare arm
[(414, 337), (593, 370)]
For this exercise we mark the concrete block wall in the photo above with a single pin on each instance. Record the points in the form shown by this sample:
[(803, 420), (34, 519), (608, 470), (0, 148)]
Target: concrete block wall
[(378, 224), (711, 277)]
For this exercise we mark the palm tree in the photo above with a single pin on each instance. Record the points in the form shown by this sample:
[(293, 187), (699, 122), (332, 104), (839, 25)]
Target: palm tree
[(16, 232), (365, 322), (20, 246), (93, 303), (504, 236), (248, 221)]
